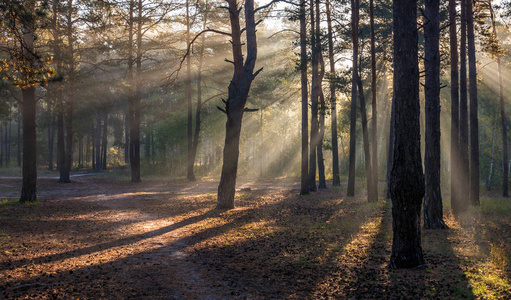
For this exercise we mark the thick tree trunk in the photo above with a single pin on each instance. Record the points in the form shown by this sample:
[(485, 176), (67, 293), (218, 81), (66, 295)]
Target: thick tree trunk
[(29, 187), (474, 122), (464, 168), (19, 139), (304, 184), (371, 194), (407, 179), (433, 210), (61, 150), (353, 115), (188, 95), (455, 112), (322, 108), (336, 181), (314, 139), (238, 93), (374, 158)]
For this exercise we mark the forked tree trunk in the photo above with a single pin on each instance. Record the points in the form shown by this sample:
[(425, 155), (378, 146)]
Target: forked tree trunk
[(407, 179), (433, 210), (455, 110), (238, 93), (336, 181), (304, 184), (474, 122), (353, 115), (463, 170)]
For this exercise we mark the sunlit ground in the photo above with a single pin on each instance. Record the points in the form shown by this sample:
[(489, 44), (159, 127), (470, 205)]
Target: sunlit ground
[(107, 238)]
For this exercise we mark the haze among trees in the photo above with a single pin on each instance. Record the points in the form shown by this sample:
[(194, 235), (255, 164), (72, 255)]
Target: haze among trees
[(275, 149)]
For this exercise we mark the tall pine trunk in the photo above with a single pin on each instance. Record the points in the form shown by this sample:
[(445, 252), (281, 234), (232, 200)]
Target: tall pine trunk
[(353, 114), (304, 183), (135, 115), (70, 97), (474, 122), (464, 168), (374, 158), (314, 139), (336, 181), (188, 95), (455, 110), (407, 179), (433, 210)]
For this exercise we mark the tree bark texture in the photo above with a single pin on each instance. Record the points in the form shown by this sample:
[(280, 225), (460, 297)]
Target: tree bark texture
[(322, 107), (433, 210), (188, 95), (304, 183), (390, 149), (407, 179), (353, 114), (70, 96), (474, 122), (235, 105)]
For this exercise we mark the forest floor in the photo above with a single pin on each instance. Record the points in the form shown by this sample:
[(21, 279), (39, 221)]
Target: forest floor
[(104, 238)]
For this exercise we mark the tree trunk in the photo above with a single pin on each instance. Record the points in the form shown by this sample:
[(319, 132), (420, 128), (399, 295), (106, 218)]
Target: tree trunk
[(314, 139), (61, 155), (105, 140), (135, 116), (474, 126), (492, 155), (463, 170), (238, 93), (188, 95), (336, 181), (407, 179), (321, 98), (455, 112), (371, 195), (97, 142), (304, 185), (51, 138), (433, 210), (374, 158), (19, 139), (353, 115), (127, 137), (390, 150), (29, 187), (69, 106)]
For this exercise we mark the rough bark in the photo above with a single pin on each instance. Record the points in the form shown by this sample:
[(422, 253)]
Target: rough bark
[(455, 110), (463, 170), (336, 181), (474, 126), (238, 92), (304, 183), (433, 210), (407, 179), (28, 109), (390, 150), (353, 114)]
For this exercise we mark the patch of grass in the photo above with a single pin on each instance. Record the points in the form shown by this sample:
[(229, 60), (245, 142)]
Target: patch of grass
[(498, 206), (8, 202)]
